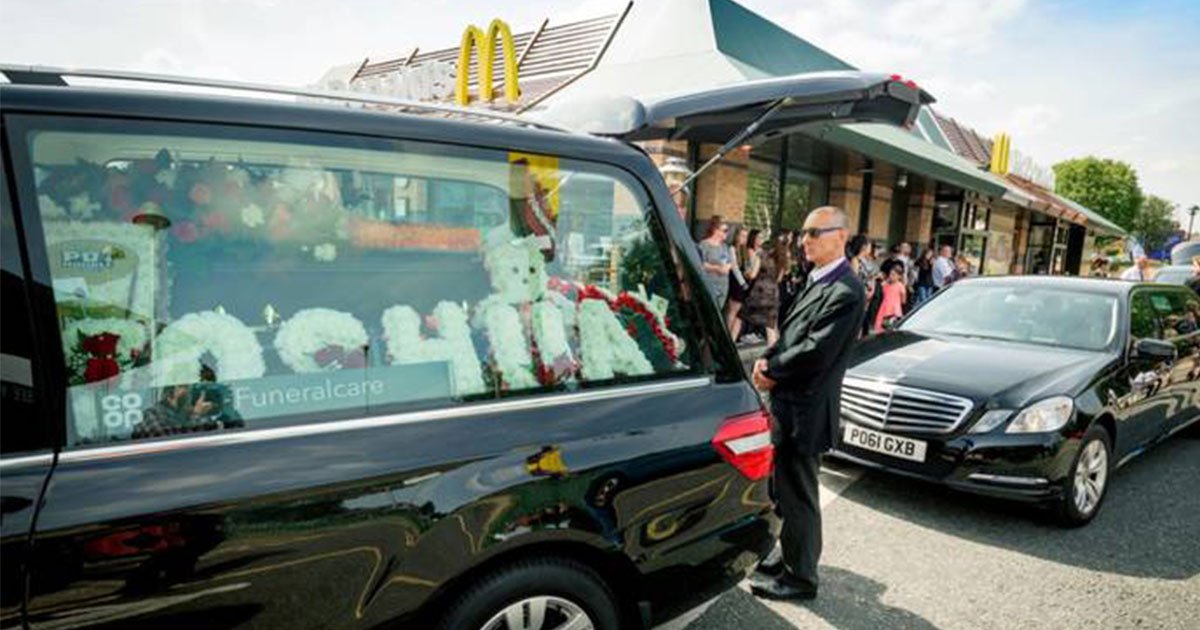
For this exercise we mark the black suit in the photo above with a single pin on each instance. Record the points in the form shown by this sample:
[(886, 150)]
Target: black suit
[(807, 365)]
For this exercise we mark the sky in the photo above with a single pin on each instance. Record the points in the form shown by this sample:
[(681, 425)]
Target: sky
[(1065, 78)]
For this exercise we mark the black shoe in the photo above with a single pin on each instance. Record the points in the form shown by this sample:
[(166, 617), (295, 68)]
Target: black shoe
[(767, 572), (783, 587), (760, 579), (771, 566)]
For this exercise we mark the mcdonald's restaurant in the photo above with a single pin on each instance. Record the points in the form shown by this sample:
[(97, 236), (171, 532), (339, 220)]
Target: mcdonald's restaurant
[(936, 183)]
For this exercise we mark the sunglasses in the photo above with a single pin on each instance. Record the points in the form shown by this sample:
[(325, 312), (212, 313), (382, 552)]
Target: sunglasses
[(815, 233)]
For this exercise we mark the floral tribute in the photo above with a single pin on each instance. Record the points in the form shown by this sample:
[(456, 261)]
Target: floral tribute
[(453, 344), (549, 331), (99, 349), (526, 330), (321, 340), (540, 331), (646, 323), (180, 349)]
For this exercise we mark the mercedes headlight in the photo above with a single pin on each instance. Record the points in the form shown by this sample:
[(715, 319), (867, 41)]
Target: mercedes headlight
[(1044, 416), (991, 420)]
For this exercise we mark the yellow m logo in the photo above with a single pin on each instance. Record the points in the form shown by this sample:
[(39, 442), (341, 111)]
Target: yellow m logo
[(1000, 153), (472, 38)]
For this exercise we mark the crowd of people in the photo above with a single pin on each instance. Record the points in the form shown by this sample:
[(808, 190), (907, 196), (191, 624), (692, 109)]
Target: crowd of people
[(755, 277)]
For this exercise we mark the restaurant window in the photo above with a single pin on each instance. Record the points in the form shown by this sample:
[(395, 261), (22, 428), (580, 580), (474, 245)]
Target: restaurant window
[(945, 217), (802, 193), (762, 194), (1045, 254), (976, 216), (973, 248), (212, 278)]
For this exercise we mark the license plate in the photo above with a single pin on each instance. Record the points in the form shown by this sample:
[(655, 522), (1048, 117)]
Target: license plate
[(871, 440)]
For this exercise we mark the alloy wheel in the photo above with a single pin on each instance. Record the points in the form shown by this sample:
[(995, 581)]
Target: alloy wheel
[(540, 613), (1091, 475)]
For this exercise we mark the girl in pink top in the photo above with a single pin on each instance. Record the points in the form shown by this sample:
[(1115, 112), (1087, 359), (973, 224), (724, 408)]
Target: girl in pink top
[(894, 294)]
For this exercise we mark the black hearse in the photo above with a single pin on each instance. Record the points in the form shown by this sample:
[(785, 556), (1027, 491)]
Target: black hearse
[(296, 365)]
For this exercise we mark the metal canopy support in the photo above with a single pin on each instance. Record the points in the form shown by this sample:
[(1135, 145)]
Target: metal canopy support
[(532, 41), (782, 192), (612, 32), (357, 72), (864, 204)]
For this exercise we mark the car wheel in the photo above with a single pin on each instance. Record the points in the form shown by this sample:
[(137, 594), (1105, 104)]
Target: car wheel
[(1088, 481), (542, 594)]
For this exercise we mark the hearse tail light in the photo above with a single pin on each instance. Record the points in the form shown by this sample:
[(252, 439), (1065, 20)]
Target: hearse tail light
[(1044, 416), (745, 442)]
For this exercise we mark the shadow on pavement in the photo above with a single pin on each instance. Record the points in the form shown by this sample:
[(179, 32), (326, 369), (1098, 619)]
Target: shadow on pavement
[(1147, 527), (848, 601)]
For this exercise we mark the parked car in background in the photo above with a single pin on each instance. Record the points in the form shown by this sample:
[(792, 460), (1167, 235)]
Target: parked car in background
[(1027, 388), (295, 365), (1183, 253), (1173, 274)]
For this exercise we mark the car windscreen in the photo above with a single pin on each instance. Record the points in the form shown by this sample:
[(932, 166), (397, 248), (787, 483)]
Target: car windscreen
[(1048, 316), (1173, 275)]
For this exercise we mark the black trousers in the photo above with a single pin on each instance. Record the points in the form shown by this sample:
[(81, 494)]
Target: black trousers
[(797, 493)]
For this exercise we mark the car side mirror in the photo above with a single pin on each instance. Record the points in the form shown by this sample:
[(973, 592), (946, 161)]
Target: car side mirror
[(1155, 349)]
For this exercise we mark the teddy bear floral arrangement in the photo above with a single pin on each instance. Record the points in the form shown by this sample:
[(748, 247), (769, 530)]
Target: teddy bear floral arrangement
[(548, 331)]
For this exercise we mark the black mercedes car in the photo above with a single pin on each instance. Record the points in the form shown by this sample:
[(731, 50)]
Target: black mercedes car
[(1030, 388)]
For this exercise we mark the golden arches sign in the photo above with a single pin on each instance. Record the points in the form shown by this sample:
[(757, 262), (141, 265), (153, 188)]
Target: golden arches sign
[(1001, 149), (486, 42)]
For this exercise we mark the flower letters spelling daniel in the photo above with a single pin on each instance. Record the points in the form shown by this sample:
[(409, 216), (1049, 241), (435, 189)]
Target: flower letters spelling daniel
[(803, 373)]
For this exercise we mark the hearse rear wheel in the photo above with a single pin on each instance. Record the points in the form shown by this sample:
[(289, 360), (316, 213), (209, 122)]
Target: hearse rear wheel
[(541, 594)]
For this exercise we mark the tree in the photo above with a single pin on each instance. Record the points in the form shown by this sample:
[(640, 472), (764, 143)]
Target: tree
[(1109, 187), (1154, 223)]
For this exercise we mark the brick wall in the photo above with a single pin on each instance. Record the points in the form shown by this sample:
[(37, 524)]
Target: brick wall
[(919, 229), (722, 188), (1020, 240), (846, 183), (881, 202), (660, 150)]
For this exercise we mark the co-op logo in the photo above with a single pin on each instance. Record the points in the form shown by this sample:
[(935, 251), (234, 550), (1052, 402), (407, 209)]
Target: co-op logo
[(486, 42), (122, 412)]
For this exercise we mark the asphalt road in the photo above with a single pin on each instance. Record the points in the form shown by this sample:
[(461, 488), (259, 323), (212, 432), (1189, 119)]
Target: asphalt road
[(905, 554)]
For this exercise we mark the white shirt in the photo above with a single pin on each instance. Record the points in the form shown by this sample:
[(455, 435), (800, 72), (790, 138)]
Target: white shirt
[(818, 274), (1133, 274), (910, 271), (942, 270)]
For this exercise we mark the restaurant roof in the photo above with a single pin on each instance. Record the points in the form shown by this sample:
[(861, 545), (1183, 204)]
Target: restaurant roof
[(548, 57), (972, 146)]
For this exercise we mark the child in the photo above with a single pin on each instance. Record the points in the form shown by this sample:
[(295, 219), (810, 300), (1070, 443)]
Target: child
[(894, 294)]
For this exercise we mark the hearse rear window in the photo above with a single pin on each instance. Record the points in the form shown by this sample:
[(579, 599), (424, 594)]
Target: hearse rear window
[(209, 278)]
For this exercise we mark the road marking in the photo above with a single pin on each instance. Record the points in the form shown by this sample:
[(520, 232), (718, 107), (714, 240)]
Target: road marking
[(835, 480)]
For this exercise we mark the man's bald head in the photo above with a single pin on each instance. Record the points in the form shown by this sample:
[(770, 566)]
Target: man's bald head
[(825, 234), (833, 214)]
